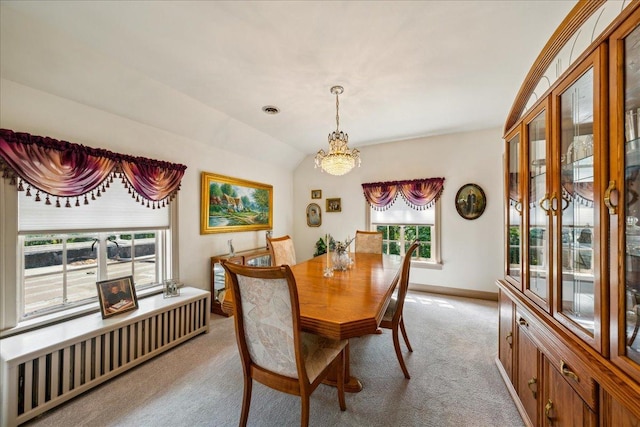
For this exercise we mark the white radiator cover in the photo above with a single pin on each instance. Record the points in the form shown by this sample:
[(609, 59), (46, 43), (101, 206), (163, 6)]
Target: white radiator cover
[(43, 368)]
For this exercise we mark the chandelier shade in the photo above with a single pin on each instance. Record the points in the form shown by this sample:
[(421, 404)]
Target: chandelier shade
[(340, 159)]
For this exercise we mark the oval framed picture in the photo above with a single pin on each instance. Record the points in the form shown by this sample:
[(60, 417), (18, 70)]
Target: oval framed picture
[(470, 201), (314, 215)]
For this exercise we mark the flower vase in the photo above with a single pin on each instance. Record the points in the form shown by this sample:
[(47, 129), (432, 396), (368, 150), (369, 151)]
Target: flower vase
[(341, 260)]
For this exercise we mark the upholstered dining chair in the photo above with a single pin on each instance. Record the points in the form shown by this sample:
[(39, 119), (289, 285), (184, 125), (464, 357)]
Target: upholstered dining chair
[(282, 251), (368, 242), (273, 348), (393, 318)]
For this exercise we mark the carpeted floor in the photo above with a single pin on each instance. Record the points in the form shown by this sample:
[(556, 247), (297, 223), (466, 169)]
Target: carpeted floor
[(454, 380)]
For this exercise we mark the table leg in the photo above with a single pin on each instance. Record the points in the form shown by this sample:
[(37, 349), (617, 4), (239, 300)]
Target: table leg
[(351, 384)]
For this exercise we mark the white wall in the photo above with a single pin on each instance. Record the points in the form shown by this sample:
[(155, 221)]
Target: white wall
[(23, 109), (472, 251)]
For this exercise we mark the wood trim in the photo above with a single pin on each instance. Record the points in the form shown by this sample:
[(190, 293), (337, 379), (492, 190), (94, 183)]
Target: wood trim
[(574, 20)]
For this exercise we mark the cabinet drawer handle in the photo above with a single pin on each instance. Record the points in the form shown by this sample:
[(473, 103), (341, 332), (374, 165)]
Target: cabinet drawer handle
[(530, 383), (522, 321), (568, 372), (509, 339), (607, 198), (547, 411)]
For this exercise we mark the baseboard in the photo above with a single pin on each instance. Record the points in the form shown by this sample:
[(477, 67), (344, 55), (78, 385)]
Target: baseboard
[(457, 292)]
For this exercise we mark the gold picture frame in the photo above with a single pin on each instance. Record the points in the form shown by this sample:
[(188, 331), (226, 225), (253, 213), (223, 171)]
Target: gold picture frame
[(314, 215), (334, 205), (117, 296), (231, 204), (316, 194), (470, 201)]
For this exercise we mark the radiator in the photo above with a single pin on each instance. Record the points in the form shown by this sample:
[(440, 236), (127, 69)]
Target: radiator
[(46, 367)]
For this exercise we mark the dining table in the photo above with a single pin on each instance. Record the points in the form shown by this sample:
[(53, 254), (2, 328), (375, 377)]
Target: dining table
[(348, 304)]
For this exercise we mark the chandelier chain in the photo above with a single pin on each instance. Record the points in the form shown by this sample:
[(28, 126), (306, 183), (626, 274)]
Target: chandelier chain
[(337, 114)]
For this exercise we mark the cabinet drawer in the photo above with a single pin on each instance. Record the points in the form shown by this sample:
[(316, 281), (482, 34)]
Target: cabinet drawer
[(561, 358)]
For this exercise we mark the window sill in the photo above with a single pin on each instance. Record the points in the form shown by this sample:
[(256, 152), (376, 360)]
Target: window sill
[(64, 315), (426, 265)]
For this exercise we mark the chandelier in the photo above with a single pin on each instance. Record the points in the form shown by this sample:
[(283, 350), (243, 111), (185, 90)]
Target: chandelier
[(340, 159)]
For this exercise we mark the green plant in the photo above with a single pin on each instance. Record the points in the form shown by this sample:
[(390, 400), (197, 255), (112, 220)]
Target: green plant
[(321, 247)]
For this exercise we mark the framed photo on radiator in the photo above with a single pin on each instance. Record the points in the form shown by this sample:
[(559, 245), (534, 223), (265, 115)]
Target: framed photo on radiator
[(117, 296)]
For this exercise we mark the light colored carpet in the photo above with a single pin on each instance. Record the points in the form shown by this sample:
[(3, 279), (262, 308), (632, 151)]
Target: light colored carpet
[(454, 380)]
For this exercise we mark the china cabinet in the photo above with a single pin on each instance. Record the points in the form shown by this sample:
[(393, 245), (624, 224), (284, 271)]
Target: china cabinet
[(259, 257), (569, 303)]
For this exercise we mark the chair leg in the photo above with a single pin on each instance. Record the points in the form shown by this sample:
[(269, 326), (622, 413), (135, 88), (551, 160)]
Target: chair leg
[(304, 418), (404, 335), (396, 345), (340, 360), (246, 401)]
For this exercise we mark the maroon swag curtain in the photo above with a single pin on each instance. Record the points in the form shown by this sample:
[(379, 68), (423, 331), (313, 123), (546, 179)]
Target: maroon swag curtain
[(66, 170), (418, 193)]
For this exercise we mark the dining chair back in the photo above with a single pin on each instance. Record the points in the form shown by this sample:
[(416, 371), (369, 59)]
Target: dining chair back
[(369, 242), (282, 250), (393, 318), (273, 348)]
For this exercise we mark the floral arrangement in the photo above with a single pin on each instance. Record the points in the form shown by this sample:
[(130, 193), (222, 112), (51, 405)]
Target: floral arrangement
[(342, 246), (334, 246)]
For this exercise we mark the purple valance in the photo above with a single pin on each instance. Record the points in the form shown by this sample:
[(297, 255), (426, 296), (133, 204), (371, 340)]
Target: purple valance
[(418, 193), (67, 170)]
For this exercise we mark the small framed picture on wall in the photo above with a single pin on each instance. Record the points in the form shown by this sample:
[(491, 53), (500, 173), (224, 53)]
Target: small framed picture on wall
[(316, 194), (314, 215), (334, 205)]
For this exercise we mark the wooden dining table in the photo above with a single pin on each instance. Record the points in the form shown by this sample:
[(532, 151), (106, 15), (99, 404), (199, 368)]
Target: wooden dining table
[(349, 304)]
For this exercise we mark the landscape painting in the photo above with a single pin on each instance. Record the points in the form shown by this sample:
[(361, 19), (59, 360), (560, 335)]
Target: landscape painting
[(232, 204)]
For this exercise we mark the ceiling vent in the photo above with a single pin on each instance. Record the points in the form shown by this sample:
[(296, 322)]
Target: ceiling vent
[(270, 109)]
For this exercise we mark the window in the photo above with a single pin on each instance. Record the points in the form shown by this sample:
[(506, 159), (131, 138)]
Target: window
[(63, 252), (401, 225), (397, 238), (61, 270)]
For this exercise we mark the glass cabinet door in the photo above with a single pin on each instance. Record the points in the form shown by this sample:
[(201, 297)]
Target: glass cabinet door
[(575, 204), (538, 210), (631, 199), (514, 211)]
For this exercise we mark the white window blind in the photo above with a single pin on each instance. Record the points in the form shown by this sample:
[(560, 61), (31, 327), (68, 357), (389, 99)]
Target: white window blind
[(115, 209), (401, 213)]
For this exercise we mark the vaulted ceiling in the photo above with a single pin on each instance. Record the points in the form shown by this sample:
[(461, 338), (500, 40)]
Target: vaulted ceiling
[(199, 69)]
